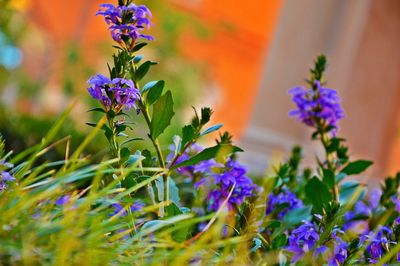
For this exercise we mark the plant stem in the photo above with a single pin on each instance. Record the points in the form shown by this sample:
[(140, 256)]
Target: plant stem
[(181, 152), (156, 144), (113, 140), (157, 147), (325, 143)]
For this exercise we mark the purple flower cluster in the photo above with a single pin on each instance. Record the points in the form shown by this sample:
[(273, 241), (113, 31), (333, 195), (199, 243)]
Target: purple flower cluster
[(115, 94), (126, 22), (203, 168), (355, 219), (232, 176), (321, 104), (5, 176), (219, 176), (340, 251), (283, 201), (304, 239), (378, 244)]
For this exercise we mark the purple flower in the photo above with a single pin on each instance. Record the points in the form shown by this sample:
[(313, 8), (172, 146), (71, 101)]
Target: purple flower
[(374, 198), (63, 200), (302, 240), (322, 104), (234, 174), (340, 251), (121, 210), (125, 93), (5, 176), (203, 167), (115, 94), (396, 202), (283, 201), (99, 88), (126, 22), (378, 243), (362, 209)]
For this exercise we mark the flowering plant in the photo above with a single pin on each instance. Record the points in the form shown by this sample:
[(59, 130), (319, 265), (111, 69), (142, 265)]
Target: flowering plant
[(183, 203)]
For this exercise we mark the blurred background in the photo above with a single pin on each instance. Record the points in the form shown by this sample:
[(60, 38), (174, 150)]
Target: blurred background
[(238, 57)]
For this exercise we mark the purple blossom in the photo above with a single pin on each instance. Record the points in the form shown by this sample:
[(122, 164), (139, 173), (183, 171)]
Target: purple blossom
[(203, 167), (126, 22), (339, 251), (118, 209), (316, 105), (378, 243), (362, 209), (125, 93), (396, 202), (283, 201), (302, 240), (115, 94), (63, 200), (374, 198), (234, 174), (5, 176)]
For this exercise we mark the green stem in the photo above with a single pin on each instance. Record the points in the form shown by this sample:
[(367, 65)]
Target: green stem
[(329, 158), (113, 140), (157, 147), (181, 152), (156, 144)]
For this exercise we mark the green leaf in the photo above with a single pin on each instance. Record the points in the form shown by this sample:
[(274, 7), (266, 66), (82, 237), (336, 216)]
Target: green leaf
[(298, 215), (124, 154), (160, 188), (172, 210), (173, 191), (209, 153), (162, 114), (139, 46), (188, 134), (154, 92), (180, 234), (279, 241), (211, 129), (137, 59), (339, 177), (143, 69), (98, 109), (273, 224), (356, 167), (206, 113), (348, 190), (134, 159), (333, 145), (107, 131), (130, 140), (328, 177), (153, 226), (317, 193), (129, 181), (195, 120), (149, 85)]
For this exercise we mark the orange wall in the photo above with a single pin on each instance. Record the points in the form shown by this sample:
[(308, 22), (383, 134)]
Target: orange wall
[(235, 53)]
